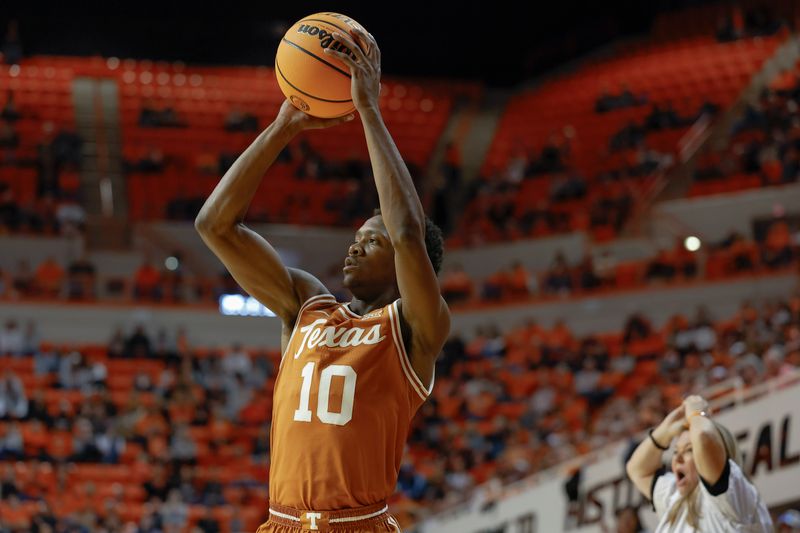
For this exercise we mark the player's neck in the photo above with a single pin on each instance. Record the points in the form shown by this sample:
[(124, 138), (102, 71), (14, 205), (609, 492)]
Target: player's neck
[(362, 304)]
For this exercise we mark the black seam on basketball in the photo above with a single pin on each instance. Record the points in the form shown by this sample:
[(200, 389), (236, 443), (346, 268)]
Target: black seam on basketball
[(334, 67), (347, 32), (278, 68)]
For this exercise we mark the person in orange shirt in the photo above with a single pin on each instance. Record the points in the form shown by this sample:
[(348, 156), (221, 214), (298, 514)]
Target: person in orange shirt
[(519, 281), (147, 282), (777, 250), (457, 285), (49, 277), (353, 374)]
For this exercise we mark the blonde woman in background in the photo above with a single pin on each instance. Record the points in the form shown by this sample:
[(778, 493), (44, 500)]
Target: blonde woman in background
[(706, 491)]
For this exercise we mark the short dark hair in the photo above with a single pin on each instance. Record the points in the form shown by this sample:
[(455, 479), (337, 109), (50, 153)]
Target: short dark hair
[(434, 242)]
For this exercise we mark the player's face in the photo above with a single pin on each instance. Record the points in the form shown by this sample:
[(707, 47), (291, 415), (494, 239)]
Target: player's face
[(683, 465), (370, 259)]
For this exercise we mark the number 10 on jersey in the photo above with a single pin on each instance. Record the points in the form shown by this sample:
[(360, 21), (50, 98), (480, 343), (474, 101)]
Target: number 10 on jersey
[(303, 413)]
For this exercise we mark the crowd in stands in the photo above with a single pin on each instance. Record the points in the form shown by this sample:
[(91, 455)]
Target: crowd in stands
[(53, 205), (155, 431), (754, 22), (765, 141), (507, 405), (778, 247), (186, 429)]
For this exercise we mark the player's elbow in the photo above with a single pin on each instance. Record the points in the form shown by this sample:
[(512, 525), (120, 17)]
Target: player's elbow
[(203, 224), (208, 225)]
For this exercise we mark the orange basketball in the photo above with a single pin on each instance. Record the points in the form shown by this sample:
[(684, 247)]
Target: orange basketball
[(313, 81)]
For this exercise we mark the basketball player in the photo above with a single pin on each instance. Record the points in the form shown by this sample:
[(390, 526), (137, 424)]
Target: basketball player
[(351, 375)]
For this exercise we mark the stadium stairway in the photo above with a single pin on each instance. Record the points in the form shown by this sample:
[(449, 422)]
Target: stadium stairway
[(96, 104)]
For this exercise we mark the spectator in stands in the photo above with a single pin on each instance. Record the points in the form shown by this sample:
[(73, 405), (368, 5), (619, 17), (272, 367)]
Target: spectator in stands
[(587, 383), (777, 247), (67, 149), (153, 161), (12, 444), (565, 187), (628, 137), (81, 279), (559, 278), (12, 340), (706, 489), (587, 274), (23, 280), (731, 26), (661, 267), (236, 362), (182, 449), (174, 513), (8, 483), (49, 278), (12, 47), (449, 189), (10, 214), (147, 282), (457, 286), (519, 282), (495, 286), (238, 120), (637, 327), (208, 524), (608, 102), (165, 117), (9, 139), (10, 112), (789, 522), (13, 400), (47, 164), (138, 345)]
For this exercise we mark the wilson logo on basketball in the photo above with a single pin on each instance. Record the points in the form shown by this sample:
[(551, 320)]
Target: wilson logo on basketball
[(314, 336), (299, 102), (326, 40)]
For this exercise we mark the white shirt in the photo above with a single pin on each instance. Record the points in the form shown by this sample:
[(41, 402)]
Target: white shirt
[(739, 509)]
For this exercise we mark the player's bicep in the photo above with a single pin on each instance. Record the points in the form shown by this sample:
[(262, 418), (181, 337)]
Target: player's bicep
[(259, 270), (423, 307)]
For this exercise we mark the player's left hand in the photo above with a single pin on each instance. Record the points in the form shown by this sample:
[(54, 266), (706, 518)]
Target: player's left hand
[(365, 66)]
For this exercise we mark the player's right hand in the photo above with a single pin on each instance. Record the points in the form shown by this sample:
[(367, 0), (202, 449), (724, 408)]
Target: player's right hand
[(297, 121)]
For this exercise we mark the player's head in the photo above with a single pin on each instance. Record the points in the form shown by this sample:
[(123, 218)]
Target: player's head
[(369, 266), (683, 465)]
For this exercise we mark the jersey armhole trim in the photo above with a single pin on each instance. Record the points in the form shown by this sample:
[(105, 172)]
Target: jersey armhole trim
[(405, 362), (311, 301)]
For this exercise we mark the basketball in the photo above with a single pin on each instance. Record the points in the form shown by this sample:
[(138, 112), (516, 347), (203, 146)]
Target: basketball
[(314, 82)]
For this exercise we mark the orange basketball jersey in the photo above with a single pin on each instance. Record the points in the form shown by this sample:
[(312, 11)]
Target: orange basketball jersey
[(344, 397)]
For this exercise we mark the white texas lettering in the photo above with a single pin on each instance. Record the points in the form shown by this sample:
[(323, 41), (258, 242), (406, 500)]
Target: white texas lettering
[(315, 336)]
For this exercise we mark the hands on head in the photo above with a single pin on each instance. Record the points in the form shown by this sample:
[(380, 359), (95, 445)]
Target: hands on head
[(678, 419)]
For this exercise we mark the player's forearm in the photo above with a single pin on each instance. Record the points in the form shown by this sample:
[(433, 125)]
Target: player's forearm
[(400, 206), (228, 203)]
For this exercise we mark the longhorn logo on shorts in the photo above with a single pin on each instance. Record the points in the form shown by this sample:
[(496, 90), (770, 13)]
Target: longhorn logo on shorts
[(313, 522)]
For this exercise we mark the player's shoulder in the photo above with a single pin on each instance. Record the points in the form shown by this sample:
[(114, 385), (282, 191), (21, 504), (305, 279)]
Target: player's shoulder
[(309, 290)]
